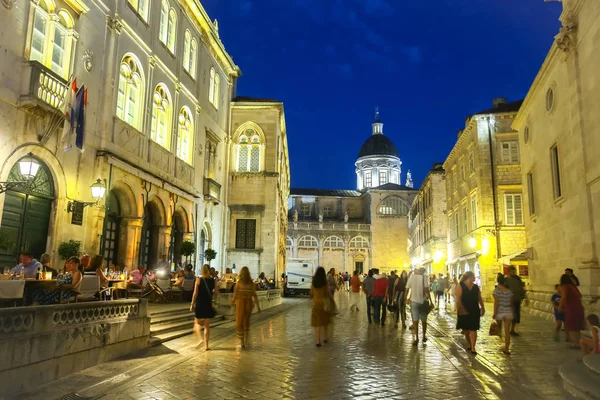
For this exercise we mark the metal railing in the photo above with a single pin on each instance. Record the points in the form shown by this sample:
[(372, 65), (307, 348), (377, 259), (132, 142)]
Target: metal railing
[(328, 226)]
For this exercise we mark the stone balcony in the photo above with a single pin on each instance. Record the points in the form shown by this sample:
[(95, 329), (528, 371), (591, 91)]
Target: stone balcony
[(41, 89), (212, 190), (328, 226)]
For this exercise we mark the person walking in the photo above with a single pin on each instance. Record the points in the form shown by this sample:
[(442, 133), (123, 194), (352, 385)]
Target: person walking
[(418, 296), (440, 292), (503, 309), (322, 306), (517, 287), (559, 317), (449, 288), (332, 281), (398, 298), (368, 286), (243, 296), (570, 304), (575, 279), (347, 281), (380, 299), (355, 291), (204, 289), (470, 308)]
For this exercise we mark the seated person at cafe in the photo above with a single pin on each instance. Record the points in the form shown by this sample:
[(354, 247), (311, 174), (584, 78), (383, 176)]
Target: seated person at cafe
[(179, 278), (137, 277), (96, 264), (189, 272), (66, 284), (85, 265), (46, 261), (28, 267)]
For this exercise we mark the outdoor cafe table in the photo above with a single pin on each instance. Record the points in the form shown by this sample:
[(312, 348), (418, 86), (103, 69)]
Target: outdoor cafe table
[(11, 288)]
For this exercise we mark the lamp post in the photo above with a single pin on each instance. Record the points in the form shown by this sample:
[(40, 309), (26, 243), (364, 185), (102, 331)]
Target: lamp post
[(28, 168)]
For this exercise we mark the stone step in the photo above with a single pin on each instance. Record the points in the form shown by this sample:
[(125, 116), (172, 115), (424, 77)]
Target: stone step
[(176, 309), (170, 326), (174, 317), (580, 381), (592, 362), (180, 331)]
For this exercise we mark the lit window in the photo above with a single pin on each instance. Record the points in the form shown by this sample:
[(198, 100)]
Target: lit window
[(213, 90), (168, 24), (359, 242), (210, 158), (309, 242), (513, 209), (368, 180), (510, 152), (161, 116), (333, 242), (555, 166), (52, 39), (185, 136), (141, 7), (393, 206), (474, 212), (187, 38), (457, 223), (130, 92), (249, 151), (193, 56), (382, 178), (530, 194)]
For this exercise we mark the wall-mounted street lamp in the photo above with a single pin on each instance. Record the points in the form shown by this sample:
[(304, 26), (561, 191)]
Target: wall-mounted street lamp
[(98, 190), (28, 167)]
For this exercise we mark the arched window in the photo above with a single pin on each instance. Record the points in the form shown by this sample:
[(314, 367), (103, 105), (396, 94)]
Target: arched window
[(213, 90), (288, 242), (393, 206), (161, 116), (129, 97), (308, 242), (168, 23), (359, 242), (187, 38), (193, 56), (333, 242), (52, 38), (185, 136), (249, 149), (141, 6)]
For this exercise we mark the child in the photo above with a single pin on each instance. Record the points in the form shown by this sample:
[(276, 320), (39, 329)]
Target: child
[(558, 316), (592, 345)]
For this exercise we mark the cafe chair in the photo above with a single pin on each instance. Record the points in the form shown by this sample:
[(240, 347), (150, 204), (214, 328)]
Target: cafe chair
[(176, 291), (188, 288), (89, 290), (165, 285)]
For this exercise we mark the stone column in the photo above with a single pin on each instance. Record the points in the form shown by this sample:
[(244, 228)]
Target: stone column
[(129, 242), (164, 240)]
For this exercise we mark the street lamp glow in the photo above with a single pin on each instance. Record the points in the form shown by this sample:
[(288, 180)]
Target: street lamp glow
[(98, 190), (485, 246), (438, 256), (28, 167), (472, 242)]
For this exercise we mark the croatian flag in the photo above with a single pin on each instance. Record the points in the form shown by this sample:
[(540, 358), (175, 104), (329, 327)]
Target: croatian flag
[(80, 104), (69, 110)]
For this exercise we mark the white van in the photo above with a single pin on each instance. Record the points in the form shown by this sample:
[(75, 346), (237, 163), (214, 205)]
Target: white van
[(299, 273)]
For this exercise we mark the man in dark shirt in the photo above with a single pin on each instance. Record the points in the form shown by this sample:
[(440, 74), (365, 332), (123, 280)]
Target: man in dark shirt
[(569, 272), (516, 286), (368, 285)]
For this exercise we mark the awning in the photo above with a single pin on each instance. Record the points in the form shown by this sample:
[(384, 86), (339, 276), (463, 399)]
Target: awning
[(521, 255)]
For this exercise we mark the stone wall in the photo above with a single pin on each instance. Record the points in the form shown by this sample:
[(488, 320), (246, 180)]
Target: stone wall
[(266, 299), (44, 343)]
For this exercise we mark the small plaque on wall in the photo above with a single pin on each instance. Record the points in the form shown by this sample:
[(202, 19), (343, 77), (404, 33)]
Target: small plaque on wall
[(77, 213)]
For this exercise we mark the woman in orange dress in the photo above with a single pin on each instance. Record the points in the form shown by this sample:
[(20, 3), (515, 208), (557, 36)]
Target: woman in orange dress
[(322, 305), (243, 295)]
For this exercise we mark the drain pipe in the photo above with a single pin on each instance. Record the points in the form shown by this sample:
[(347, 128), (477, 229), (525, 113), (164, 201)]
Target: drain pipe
[(494, 191)]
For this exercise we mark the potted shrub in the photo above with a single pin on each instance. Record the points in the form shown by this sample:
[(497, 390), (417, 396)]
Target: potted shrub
[(69, 249), (209, 255), (187, 249)]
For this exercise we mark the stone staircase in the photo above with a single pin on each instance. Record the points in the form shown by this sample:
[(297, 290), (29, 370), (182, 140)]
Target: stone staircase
[(582, 378), (172, 321), (538, 304)]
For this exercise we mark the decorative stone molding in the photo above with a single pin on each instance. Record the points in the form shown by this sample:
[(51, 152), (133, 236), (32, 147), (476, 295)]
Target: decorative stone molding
[(88, 60), (16, 323), (178, 87), (8, 3), (152, 60), (566, 39), (69, 316), (114, 23)]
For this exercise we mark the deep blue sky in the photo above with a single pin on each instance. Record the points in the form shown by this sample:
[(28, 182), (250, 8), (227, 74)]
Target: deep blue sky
[(427, 64)]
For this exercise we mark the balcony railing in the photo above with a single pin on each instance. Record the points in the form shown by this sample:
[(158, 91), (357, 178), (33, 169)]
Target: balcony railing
[(212, 190), (328, 226), (42, 87)]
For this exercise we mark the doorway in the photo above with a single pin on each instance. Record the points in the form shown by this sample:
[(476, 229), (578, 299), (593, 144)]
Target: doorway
[(176, 239), (149, 238), (26, 215), (359, 267), (112, 224)]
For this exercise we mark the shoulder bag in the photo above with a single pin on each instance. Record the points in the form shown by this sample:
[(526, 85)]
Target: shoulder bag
[(427, 304)]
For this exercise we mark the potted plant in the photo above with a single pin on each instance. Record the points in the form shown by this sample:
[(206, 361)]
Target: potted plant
[(209, 255), (69, 249), (187, 249)]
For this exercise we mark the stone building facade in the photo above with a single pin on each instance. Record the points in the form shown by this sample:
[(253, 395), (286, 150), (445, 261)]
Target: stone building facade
[(355, 229), (157, 129), (561, 157), (259, 187), (484, 196), (428, 223)]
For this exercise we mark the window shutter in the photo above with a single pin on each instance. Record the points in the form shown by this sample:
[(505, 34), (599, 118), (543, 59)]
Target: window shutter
[(518, 209), (514, 153), (505, 152), (509, 209)]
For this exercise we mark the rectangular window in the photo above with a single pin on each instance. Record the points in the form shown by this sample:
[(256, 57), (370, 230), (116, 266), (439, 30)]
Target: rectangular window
[(382, 178), (327, 211), (462, 173), (513, 209), (245, 234), (450, 219), (465, 219), (510, 152), (474, 212), (368, 181), (530, 194), (457, 223), (471, 162), (306, 212), (555, 165)]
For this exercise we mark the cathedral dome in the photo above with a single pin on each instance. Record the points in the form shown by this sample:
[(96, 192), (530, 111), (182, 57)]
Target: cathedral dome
[(378, 145)]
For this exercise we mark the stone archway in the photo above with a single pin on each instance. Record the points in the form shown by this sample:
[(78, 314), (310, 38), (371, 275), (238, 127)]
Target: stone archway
[(149, 239), (178, 228), (26, 214)]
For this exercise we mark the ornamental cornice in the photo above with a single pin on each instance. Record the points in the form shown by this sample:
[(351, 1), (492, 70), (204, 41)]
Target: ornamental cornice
[(114, 23)]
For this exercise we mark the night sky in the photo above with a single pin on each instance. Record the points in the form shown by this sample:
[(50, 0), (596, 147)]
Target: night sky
[(427, 64)]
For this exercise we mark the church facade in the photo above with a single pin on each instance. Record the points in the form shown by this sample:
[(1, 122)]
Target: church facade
[(356, 230)]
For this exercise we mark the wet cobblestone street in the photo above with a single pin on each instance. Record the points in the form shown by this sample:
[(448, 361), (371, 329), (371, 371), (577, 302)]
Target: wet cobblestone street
[(361, 361)]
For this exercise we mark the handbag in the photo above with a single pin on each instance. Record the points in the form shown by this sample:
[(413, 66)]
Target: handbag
[(494, 328), (427, 305), (212, 300)]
